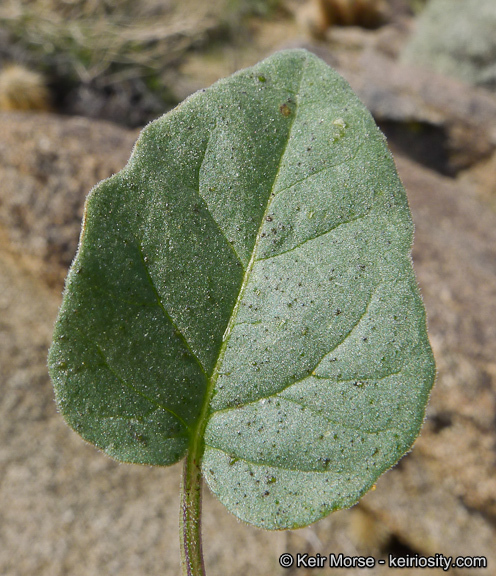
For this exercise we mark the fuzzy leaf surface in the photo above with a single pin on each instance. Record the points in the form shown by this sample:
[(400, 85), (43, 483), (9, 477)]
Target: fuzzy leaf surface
[(243, 289)]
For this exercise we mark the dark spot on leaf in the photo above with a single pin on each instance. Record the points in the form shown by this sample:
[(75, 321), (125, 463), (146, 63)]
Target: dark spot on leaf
[(285, 110)]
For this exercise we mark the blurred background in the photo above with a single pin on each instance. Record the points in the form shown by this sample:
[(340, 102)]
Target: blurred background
[(78, 79)]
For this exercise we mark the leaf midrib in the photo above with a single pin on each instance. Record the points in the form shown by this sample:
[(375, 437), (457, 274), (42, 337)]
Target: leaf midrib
[(197, 442)]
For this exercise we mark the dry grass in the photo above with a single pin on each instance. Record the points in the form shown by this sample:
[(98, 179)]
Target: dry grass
[(87, 39), (90, 38), (121, 49)]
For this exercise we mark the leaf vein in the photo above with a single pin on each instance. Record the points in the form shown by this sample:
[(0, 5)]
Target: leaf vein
[(202, 420), (269, 465), (335, 422), (274, 394), (350, 221), (279, 394), (160, 304), (136, 390), (323, 169), (198, 193)]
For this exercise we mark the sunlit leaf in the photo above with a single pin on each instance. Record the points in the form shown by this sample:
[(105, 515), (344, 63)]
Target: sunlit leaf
[(244, 289)]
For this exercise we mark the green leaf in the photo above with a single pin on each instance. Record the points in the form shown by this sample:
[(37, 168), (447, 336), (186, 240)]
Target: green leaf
[(243, 290)]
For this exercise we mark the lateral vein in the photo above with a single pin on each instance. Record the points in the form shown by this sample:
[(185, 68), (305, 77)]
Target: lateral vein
[(136, 391), (166, 313)]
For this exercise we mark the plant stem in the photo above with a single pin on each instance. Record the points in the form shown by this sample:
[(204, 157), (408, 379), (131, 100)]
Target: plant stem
[(191, 493)]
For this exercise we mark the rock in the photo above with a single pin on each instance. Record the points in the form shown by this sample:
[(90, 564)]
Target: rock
[(457, 38), (48, 164), (482, 177)]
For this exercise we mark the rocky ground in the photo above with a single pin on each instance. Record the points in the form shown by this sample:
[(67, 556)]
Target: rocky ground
[(66, 509)]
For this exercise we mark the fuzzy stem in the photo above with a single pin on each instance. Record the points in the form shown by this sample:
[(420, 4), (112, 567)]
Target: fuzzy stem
[(191, 493)]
